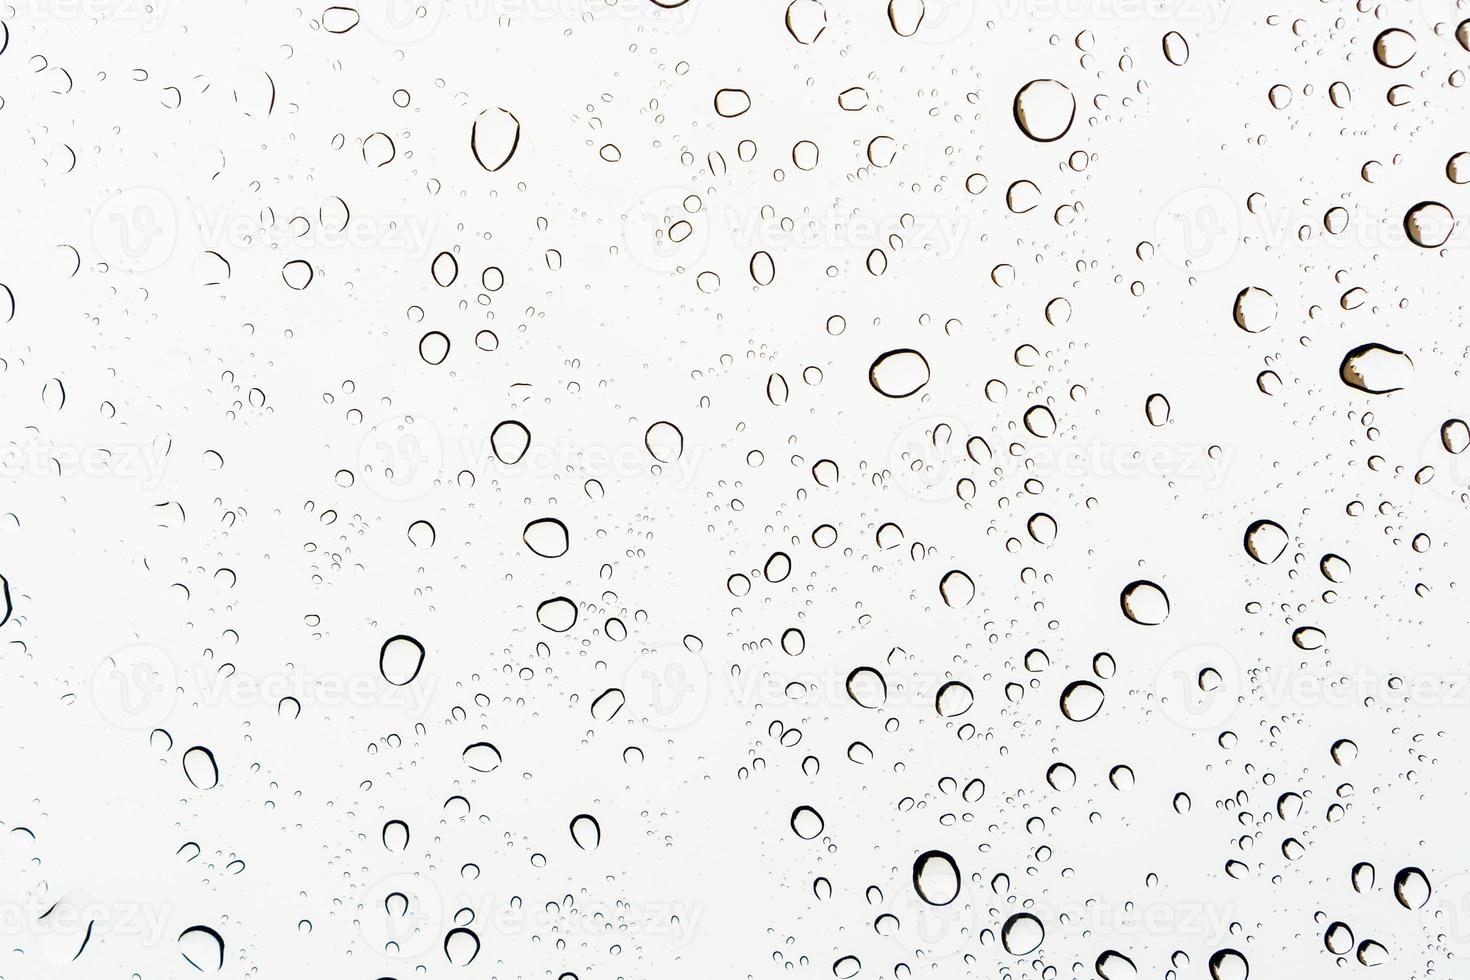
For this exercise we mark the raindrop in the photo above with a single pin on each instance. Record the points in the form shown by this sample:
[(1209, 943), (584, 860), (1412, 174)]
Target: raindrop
[(936, 878), (899, 373), (1145, 603), (1044, 109)]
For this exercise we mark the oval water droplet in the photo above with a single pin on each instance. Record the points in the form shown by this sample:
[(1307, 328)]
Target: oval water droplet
[(807, 823), (200, 768), (1044, 109), (1376, 369), (1266, 541), (936, 878), (481, 757), (1144, 603), (1022, 934), (586, 832), (899, 373), (400, 659)]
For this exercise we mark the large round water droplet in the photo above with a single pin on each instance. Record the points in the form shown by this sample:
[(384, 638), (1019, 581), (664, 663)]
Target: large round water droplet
[(1411, 888), (807, 823), (546, 537), (400, 660), (1229, 964), (203, 949), (1376, 369), (557, 614), (1022, 934), (200, 768), (1144, 603), (867, 687), (1255, 309), (899, 373), (1428, 224), (936, 877), (1266, 541), (953, 699), (1044, 109), (1081, 701)]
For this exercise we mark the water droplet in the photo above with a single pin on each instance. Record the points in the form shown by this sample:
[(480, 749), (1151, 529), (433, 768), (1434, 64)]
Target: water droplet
[(1145, 603), (1266, 541), (1081, 701), (1376, 369), (1022, 934), (936, 878), (807, 823), (400, 659), (899, 373), (481, 757), (586, 832), (1044, 109), (200, 768), (1429, 224)]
